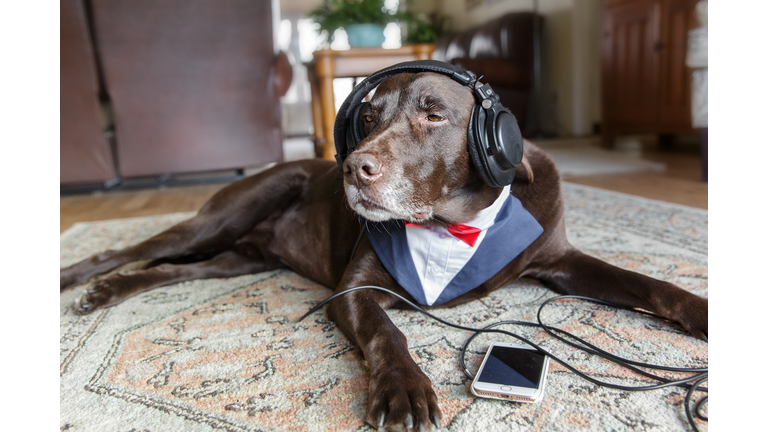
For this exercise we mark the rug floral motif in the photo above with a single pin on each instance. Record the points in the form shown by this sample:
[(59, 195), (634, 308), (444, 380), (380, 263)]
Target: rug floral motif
[(228, 354)]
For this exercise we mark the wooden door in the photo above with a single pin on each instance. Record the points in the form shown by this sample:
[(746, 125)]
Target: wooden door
[(630, 64)]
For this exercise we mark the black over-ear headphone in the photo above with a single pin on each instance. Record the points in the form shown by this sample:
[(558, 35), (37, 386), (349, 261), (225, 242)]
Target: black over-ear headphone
[(494, 141)]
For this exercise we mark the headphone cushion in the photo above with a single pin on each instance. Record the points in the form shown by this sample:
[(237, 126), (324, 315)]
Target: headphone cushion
[(340, 128), (356, 123), (475, 146)]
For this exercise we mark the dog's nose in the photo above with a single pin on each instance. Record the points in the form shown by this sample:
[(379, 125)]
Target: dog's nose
[(366, 168)]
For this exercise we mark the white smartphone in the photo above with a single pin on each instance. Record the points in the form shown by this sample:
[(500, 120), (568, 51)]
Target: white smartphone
[(513, 372)]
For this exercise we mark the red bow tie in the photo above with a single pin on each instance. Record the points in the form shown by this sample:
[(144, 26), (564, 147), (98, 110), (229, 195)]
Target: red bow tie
[(465, 233)]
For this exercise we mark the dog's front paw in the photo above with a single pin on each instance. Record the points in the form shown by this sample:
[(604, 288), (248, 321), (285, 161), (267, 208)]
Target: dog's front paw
[(84, 270), (103, 293), (693, 315), (402, 399)]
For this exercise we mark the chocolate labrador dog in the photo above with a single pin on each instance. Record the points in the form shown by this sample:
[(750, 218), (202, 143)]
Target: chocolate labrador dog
[(412, 167)]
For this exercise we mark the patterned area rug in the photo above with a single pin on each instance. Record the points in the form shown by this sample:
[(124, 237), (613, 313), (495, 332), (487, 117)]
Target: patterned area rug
[(227, 354)]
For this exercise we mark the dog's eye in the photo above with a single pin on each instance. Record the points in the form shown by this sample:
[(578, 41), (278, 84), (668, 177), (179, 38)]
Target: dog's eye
[(368, 118), (434, 118)]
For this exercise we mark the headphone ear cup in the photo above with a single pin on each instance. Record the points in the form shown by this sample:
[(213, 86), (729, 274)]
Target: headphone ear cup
[(354, 133), (495, 144), (358, 125), (507, 134), (506, 146), (475, 144), (342, 132)]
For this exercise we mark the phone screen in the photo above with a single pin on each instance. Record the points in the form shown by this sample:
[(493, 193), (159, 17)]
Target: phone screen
[(513, 367)]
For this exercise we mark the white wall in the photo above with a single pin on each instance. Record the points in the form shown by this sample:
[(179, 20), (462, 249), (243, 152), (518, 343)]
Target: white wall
[(587, 38), (462, 18), (299, 5)]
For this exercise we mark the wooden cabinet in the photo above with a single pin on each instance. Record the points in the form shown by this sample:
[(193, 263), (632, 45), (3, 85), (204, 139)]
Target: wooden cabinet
[(646, 85)]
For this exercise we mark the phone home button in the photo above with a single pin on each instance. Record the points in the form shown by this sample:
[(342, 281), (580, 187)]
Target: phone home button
[(505, 388)]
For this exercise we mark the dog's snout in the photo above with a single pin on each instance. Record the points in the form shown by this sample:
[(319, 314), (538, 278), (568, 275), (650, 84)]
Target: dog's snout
[(365, 168), (370, 166)]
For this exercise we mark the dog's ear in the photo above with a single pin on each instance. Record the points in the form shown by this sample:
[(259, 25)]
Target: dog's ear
[(524, 171)]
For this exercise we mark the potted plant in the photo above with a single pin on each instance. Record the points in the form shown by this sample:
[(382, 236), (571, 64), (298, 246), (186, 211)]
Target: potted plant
[(422, 28), (363, 20)]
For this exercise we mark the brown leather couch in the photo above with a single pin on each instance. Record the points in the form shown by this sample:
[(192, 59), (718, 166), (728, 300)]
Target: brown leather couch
[(182, 86), (502, 51)]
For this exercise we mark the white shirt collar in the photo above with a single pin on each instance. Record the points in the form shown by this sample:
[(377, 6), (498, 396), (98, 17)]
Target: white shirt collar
[(487, 216)]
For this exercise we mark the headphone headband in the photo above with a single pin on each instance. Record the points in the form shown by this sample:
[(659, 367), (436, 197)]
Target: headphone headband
[(494, 140)]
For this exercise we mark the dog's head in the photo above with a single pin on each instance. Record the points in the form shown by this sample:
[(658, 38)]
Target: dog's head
[(413, 164)]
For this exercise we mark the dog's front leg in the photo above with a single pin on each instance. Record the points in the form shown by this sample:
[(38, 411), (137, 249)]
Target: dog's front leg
[(400, 394), (574, 272)]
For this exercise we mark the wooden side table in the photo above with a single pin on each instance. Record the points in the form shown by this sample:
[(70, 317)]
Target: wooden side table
[(353, 63)]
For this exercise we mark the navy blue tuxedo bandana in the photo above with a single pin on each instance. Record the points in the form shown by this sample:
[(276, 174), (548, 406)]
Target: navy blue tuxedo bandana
[(513, 230)]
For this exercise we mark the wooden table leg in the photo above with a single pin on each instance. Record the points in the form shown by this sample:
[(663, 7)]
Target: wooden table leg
[(317, 112), (325, 74), (424, 51)]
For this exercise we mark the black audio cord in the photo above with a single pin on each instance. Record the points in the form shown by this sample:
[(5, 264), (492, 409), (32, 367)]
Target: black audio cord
[(691, 383)]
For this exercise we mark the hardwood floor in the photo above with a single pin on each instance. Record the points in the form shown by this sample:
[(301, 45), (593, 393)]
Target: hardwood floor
[(126, 204), (679, 183)]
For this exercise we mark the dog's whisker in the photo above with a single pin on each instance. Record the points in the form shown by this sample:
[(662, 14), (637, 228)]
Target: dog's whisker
[(385, 229)]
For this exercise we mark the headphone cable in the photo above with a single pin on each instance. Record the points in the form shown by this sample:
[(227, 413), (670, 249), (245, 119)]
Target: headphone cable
[(692, 383)]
